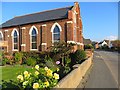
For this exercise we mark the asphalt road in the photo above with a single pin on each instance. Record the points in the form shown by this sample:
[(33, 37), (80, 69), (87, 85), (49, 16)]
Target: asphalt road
[(104, 73)]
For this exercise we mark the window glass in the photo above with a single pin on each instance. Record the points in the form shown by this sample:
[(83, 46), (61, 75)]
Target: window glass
[(15, 40), (34, 45), (15, 46), (34, 39), (0, 36), (56, 34)]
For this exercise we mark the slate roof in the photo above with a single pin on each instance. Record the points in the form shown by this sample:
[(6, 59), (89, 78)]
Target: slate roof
[(87, 41), (94, 42), (60, 13), (101, 42)]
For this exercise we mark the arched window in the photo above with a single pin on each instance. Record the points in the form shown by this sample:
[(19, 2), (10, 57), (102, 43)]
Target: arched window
[(1, 36), (34, 39), (56, 34), (56, 29), (15, 40)]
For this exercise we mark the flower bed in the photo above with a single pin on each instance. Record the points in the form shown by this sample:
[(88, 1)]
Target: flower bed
[(51, 66), (40, 78)]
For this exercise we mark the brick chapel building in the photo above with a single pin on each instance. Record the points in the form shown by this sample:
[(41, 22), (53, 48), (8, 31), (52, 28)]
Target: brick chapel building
[(37, 31)]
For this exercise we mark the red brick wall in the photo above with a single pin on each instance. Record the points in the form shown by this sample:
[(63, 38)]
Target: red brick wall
[(44, 36)]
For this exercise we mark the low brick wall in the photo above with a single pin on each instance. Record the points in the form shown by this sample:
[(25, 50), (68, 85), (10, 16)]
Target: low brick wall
[(73, 79)]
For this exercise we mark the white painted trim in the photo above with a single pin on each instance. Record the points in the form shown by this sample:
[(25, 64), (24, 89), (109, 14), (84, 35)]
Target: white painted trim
[(23, 28), (32, 29), (44, 25), (23, 45), (69, 22), (75, 12), (78, 43), (12, 34), (33, 49), (52, 44), (14, 31), (53, 26), (44, 44), (6, 30), (1, 33), (15, 50), (71, 42)]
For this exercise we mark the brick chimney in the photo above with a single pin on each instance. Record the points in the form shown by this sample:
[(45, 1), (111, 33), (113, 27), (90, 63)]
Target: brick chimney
[(76, 3)]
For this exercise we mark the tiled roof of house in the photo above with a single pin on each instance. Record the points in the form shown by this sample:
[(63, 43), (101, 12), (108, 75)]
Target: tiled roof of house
[(87, 41), (115, 43), (101, 42), (94, 42), (60, 13)]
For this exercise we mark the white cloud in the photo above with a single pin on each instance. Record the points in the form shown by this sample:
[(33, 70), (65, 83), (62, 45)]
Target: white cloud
[(111, 37)]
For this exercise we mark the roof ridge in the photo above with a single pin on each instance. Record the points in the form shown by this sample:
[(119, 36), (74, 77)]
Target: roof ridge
[(42, 12)]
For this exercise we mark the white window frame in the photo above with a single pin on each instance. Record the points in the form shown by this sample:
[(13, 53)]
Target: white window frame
[(1, 35), (52, 29), (30, 32), (12, 34)]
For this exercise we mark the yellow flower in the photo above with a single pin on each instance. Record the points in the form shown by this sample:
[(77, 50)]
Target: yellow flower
[(35, 85), (25, 83), (26, 74), (46, 84), (49, 72), (46, 68), (58, 69), (37, 67), (36, 73), (56, 76), (20, 77)]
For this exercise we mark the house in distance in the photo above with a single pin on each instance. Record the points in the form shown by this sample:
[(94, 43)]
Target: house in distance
[(38, 31)]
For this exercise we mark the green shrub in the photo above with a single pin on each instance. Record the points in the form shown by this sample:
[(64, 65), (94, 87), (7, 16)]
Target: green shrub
[(67, 66), (105, 47), (66, 70), (18, 57), (50, 63), (60, 51), (1, 55), (78, 56), (88, 46), (39, 56), (67, 61), (4, 61), (31, 61)]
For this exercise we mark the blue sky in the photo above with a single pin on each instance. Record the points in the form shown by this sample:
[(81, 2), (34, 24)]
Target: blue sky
[(100, 19)]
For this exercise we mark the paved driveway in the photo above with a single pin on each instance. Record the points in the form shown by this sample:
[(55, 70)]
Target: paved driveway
[(104, 73)]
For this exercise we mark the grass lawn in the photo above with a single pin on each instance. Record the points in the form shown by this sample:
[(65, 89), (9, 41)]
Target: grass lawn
[(11, 72)]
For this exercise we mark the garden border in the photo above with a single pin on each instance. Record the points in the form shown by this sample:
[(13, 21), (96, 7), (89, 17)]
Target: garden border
[(73, 79)]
